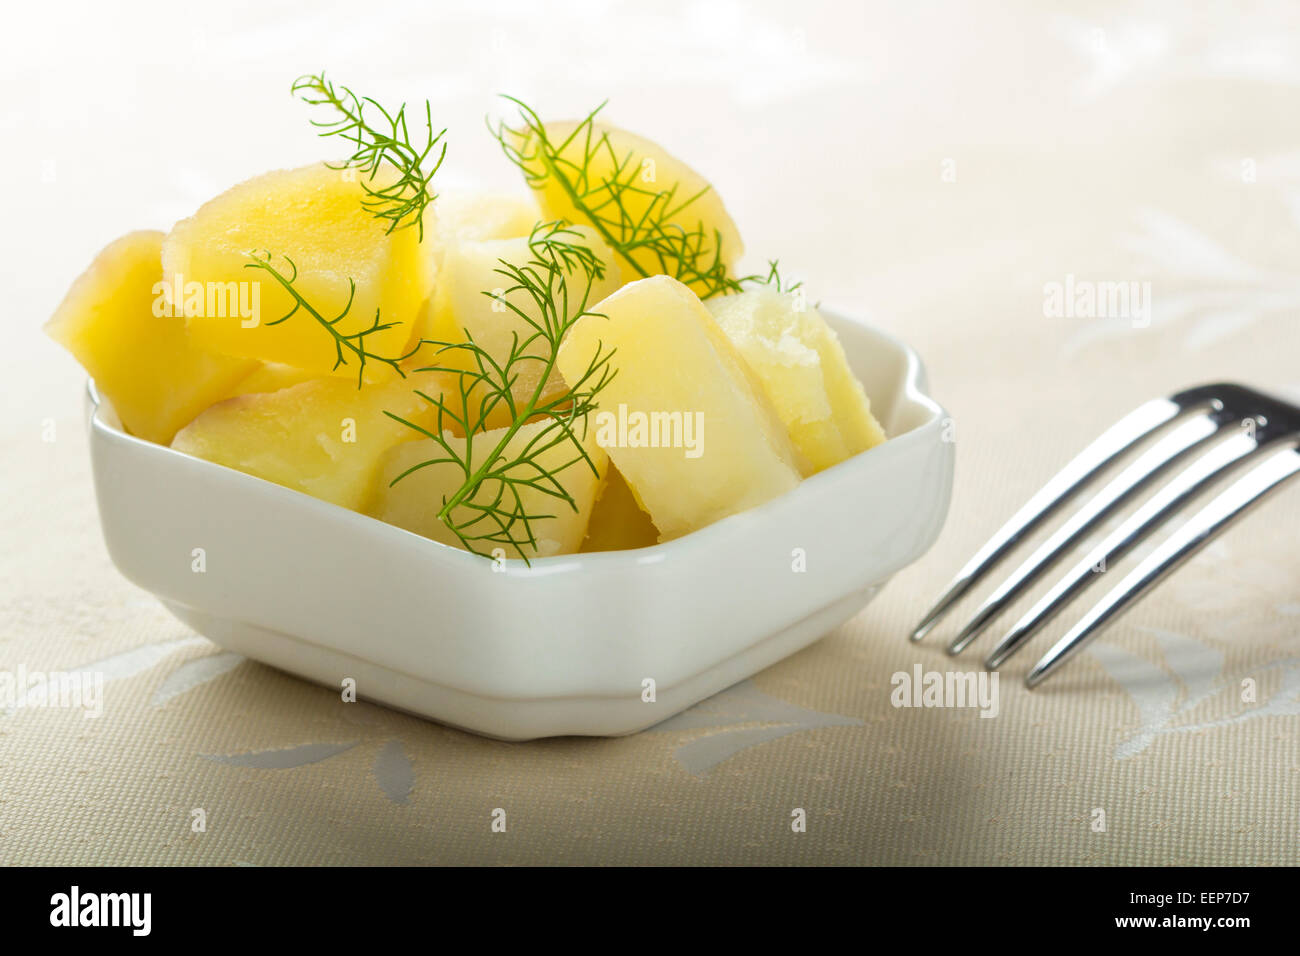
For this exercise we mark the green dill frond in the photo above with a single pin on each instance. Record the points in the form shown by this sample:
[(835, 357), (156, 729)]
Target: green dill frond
[(347, 346), (771, 279), (379, 138), (489, 509), (642, 225)]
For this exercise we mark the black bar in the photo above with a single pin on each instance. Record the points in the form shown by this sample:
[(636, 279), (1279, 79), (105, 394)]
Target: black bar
[(304, 904)]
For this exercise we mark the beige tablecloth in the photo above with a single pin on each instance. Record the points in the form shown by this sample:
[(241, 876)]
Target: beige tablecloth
[(935, 167)]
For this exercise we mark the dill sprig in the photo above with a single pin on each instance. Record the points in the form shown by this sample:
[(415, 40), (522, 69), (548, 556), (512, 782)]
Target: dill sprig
[(488, 510), (379, 140), (345, 344), (772, 278), (642, 225)]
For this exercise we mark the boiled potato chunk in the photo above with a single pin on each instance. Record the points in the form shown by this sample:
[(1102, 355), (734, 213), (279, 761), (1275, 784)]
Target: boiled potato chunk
[(674, 365), (323, 437), (460, 308), (850, 406), (801, 365), (145, 363), (270, 377), (413, 501), (475, 216), (648, 172), (314, 216), (617, 521)]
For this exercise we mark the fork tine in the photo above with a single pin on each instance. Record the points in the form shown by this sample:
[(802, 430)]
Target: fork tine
[(1082, 470), (1188, 484), (1162, 456), (1203, 527)]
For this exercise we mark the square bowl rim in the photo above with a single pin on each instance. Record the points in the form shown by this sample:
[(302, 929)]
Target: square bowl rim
[(913, 389)]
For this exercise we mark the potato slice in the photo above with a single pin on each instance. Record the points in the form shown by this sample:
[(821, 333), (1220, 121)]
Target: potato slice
[(314, 216), (612, 155), (476, 216), (801, 365), (473, 217), (270, 377), (142, 359), (672, 359), (460, 307), (618, 522), (324, 437), (414, 501)]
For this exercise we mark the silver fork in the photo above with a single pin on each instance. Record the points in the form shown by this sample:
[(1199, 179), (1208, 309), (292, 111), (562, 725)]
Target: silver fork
[(1221, 429)]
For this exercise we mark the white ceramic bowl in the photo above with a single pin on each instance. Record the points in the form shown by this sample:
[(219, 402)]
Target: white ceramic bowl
[(562, 647)]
